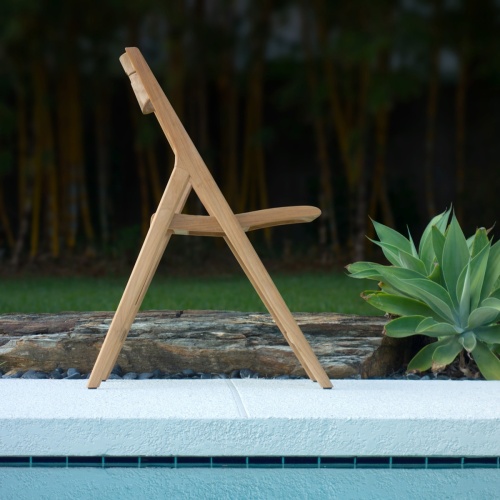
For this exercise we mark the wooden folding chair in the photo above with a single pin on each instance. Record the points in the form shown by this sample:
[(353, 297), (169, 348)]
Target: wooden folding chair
[(191, 172)]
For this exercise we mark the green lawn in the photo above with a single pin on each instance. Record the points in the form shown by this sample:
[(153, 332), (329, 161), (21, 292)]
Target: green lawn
[(307, 292)]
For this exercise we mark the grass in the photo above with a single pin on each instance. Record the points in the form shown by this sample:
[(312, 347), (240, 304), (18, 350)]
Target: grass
[(305, 292)]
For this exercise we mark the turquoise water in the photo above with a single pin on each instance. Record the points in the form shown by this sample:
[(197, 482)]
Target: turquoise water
[(253, 484), (218, 478)]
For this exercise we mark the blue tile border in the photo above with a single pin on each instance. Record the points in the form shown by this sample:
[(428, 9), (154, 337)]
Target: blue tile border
[(242, 462)]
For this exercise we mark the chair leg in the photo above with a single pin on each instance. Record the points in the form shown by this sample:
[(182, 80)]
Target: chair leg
[(269, 294), (217, 206), (154, 245), (262, 296)]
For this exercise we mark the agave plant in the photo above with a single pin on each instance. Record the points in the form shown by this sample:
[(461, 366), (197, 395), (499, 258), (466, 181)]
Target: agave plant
[(448, 289)]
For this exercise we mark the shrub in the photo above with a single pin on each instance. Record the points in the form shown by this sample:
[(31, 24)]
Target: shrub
[(448, 289)]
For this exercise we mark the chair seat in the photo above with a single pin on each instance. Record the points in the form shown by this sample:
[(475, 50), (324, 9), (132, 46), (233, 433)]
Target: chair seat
[(205, 225)]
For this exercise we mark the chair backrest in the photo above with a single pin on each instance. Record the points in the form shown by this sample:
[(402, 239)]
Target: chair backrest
[(152, 99)]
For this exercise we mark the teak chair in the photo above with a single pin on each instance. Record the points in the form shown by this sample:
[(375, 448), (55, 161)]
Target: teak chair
[(190, 172)]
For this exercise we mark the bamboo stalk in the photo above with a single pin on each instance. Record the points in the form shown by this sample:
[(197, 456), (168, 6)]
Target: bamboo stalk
[(175, 72), (81, 177), (328, 226), (229, 136), (64, 154), (350, 122), (38, 158), (230, 145), (22, 148), (227, 90), (460, 103), (51, 181), (431, 111), (338, 114), (141, 169), (254, 187), (379, 199), (25, 176), (430, 135), (72, 184), (153, 171), (101, 117), (4, 219)]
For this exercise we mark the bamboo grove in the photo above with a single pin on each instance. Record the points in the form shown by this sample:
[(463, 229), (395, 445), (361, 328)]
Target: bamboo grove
[(76, 159)]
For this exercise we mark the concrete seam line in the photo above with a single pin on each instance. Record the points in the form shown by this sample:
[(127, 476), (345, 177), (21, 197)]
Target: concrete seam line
[(237, 399)]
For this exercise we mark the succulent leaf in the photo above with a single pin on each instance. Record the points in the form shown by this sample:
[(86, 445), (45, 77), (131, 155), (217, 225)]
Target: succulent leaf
[(436, 275), (445, 353), (386, 288), (403, 327), (442, 222), (463, 294), (364, 270), (426, 250), (432, 328), (482, 316), (478, 266), (492, 272), (413, 247), (491, 302), (489, 334), (455, 257), (434, 295), (468, 341), (391, 252), (391, 237), (360, 266), (410, 262), (438, 240), (422, 361), (412, 284), (395, 276), (479, 242), (470, 241), (487, 362), (397, 304)]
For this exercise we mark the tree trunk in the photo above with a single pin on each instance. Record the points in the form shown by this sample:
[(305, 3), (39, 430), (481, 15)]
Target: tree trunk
[(349, 116), (460, 136), (207, 341), (228, 97), (379, 198), (254, 185), (328, 236), (102, 127), (432, 108), (430, 135), (38, 90), (4, 221)]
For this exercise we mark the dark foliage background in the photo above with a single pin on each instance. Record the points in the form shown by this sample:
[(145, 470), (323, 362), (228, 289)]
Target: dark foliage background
[(387, 108)]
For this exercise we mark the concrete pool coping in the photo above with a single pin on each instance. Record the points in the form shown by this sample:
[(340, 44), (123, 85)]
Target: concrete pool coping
[(249, 417)]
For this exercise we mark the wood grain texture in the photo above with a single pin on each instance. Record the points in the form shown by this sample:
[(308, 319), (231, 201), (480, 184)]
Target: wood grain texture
[(154, 245), (140, 92), (205, 341), (191, 171), (206, 225)]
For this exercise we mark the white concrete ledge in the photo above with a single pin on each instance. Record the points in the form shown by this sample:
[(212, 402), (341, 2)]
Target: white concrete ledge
[(249, 418)]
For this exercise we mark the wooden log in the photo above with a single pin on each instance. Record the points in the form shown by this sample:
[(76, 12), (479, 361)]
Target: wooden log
[(205, 341)]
